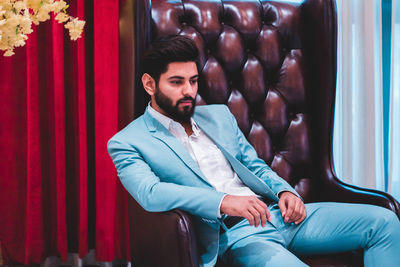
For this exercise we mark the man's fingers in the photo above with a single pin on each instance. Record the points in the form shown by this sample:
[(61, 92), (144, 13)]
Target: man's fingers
[(300, 216), (262, 204), (268, 215), (265, 210), (304, 215), (258, 211), (289, 211), (249, 207), (249, 217), (301, 219), (292, 208), (297, 211), (303, 212), (282, 207), (256, 216), (263, 214), (297, 217)]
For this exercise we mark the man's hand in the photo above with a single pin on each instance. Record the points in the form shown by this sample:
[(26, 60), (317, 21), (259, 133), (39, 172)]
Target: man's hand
[(292, 208), (249, 207)]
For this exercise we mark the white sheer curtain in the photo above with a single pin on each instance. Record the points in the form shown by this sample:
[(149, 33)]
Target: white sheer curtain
[(394, 127), (358, 128)]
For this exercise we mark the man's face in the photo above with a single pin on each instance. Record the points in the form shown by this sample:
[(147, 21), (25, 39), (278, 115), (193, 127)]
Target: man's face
[(176, 91)]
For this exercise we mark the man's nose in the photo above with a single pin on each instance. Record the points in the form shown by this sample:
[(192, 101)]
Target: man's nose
[(188, 89)]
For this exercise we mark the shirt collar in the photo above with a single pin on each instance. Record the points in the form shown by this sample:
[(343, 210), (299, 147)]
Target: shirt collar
[(168, 123)]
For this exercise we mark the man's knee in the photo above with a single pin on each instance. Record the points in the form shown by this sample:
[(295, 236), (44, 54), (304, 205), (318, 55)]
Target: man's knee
[(385, 217), (385, 224)]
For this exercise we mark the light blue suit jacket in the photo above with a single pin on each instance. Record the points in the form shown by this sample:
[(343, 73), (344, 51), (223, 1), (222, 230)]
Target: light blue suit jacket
[(159, 173)]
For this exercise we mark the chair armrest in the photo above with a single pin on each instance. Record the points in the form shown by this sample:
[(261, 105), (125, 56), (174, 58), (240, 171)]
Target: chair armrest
[(334, 189), (161, 238)]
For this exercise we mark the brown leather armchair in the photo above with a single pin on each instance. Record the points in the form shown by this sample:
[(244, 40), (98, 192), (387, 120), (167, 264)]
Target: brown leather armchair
[(274, 64)]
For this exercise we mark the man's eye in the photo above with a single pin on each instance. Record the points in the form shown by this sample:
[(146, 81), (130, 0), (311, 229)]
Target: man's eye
[(176, 82), (193, 81)]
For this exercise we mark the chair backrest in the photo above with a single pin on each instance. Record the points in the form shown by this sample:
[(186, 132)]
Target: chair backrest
[(272, 62)]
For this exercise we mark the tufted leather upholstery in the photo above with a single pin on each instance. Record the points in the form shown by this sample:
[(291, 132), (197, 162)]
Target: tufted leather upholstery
[(274, 64), (251, 60)]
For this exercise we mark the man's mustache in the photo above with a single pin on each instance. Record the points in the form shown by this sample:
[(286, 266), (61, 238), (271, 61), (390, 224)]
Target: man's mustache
[(186, 98)]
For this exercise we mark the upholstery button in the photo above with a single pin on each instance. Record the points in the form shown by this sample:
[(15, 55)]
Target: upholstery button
[(222, 23), (184, 24)]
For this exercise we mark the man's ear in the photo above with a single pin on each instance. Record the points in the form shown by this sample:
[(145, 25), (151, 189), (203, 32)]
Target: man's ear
[(149, 84)]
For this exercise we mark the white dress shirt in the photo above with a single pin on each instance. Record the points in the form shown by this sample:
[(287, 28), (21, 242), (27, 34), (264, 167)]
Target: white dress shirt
[(208, 157)]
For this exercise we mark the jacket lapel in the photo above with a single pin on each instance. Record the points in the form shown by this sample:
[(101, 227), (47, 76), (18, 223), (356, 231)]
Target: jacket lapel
[(161, 133), (247, 177)]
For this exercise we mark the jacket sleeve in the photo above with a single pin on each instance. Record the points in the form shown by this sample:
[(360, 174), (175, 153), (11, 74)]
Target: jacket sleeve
[(157, 196), (258, 166)]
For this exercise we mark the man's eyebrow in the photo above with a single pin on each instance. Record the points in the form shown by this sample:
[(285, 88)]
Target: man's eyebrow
[(182, 78), (176, 77)]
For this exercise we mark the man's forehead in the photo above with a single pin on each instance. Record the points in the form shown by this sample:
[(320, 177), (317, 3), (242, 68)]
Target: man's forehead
[(181, 69)]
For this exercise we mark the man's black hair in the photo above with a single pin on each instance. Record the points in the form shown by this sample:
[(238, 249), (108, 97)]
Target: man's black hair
[(174, 48)]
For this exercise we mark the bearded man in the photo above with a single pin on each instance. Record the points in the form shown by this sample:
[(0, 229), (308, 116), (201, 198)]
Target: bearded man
[(178, 156)]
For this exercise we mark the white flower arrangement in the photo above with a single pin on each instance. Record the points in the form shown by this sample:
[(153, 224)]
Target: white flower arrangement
[(17, 16)]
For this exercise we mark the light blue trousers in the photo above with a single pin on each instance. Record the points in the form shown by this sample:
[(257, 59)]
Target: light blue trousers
[(328, 228)]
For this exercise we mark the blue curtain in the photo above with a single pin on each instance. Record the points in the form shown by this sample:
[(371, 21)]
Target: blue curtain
[(367, 114), (394, 110)]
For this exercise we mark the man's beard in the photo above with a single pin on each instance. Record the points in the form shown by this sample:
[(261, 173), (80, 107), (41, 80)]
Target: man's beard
[(165, 103)]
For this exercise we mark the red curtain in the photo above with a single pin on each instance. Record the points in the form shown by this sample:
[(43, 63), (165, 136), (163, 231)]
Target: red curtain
[(59, 105)]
